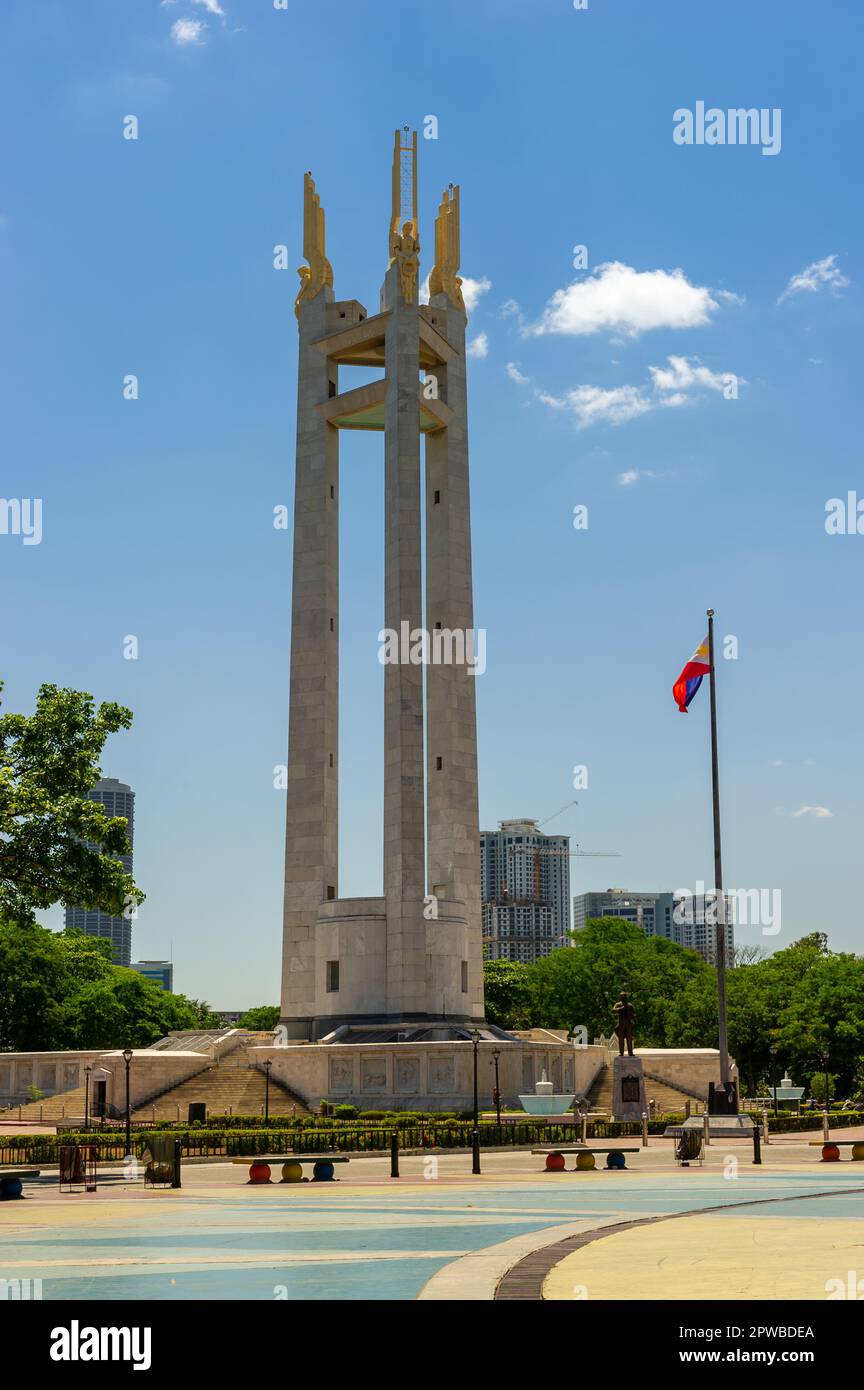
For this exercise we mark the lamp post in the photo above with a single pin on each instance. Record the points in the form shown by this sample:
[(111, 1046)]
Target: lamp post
[(267, 1065), (475, 1136), (773, 1054), (496, 1053), (87, 1071), (127, 1058)]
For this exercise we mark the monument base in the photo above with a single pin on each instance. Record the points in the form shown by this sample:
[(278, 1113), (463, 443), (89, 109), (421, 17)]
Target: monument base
[(629, 1101)]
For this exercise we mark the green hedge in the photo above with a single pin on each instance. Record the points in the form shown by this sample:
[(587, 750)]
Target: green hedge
[(793, 1124)]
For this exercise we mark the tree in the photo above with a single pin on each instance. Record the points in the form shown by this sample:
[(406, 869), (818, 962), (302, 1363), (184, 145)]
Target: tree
[(205, 1017), (507, 987), (61, 990), (262, 1019), (578, 984), (56, 845)]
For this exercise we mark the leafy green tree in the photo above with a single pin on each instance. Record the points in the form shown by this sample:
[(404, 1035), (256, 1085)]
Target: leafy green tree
[(578, 984), (61, 990), (56, 845), (204, 1016), (818, 1088), (507, 987), (262, 1019)]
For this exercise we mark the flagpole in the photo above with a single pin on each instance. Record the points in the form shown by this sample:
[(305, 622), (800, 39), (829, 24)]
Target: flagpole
[(720, 928)]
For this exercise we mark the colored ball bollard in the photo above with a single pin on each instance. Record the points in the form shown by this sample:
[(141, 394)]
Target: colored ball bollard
[(585, 1162), (259, 1172), (555, 1163), (9, 1188), (322, 1172), (615, 1160), (858, 1151), (830, 1153), (292, 1172)]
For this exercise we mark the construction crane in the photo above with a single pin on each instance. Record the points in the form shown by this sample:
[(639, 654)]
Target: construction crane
[(537, 851)]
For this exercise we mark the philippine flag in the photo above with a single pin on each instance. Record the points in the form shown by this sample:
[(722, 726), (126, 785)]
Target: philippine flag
[(690, 678)]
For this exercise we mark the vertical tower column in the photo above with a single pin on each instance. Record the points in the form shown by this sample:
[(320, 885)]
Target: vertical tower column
[(404, 835), (312, 817), (451, 718)]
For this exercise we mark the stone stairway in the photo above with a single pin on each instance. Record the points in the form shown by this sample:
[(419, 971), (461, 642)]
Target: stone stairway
[(53, 1110), (667, 1099), (233, 1087)]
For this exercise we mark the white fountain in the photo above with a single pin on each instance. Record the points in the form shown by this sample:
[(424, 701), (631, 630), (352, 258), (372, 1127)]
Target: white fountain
[(544, 1100)]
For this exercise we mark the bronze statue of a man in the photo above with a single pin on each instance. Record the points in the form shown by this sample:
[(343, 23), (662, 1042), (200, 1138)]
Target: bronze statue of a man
[(625, 1017)]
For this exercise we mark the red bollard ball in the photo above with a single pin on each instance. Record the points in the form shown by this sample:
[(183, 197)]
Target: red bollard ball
[(259, 1172), (554, 1163), (830, 1153)]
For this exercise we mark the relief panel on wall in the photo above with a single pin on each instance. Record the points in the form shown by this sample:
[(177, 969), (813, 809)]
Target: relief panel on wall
[(442, 1076), (407, 1071), (341, 1075), (373, 1074), (527, 1073)]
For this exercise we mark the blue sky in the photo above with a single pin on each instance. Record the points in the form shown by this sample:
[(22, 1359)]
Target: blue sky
[(155, 257)]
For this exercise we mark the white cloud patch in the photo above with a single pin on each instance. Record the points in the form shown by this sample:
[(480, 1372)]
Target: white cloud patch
[(212, 6), (592, 404), (819, 275), (682, 375), (479, 346), (676, 384), (632, 476), (186, 31), (512, 370), (619, 299), (729, 298), (473, 289), (817, 812)]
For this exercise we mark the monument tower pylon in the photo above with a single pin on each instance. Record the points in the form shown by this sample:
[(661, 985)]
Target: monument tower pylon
[(408, 964)]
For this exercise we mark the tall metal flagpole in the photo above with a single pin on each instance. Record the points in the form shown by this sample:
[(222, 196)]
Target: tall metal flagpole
[(720, 928)]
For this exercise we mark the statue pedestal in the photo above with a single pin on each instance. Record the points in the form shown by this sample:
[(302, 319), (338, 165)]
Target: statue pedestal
[(629, 1101)]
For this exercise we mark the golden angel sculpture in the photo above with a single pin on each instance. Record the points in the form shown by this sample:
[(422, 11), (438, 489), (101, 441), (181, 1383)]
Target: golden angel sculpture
[(319, 271), (444, 279)]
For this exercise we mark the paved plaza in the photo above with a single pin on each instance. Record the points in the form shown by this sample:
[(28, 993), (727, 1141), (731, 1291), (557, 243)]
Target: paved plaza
[(726, 1230)]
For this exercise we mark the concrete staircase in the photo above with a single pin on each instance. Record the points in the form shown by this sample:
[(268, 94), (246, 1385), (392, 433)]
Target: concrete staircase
[(234, 1087), (666, 1098), (53, 1110)]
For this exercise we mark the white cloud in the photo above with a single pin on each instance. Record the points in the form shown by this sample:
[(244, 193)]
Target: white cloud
[(512, 370), (618, 298), (683, 373), (591, 404), (729, 298), (212, 6), (632, 475), (472, 290), (672, 386), (818, 812), (776, 762), (479, 346), (185, 31), (815, 277)]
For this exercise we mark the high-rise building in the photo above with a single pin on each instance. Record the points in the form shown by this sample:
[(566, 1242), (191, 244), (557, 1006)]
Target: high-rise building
[(161, 971), (677, 917), (525, 888), (118, 799)]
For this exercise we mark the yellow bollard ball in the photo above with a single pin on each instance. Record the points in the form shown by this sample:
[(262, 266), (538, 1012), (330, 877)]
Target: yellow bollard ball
[(292, 1172), (858, 1151), (585, 1162)]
